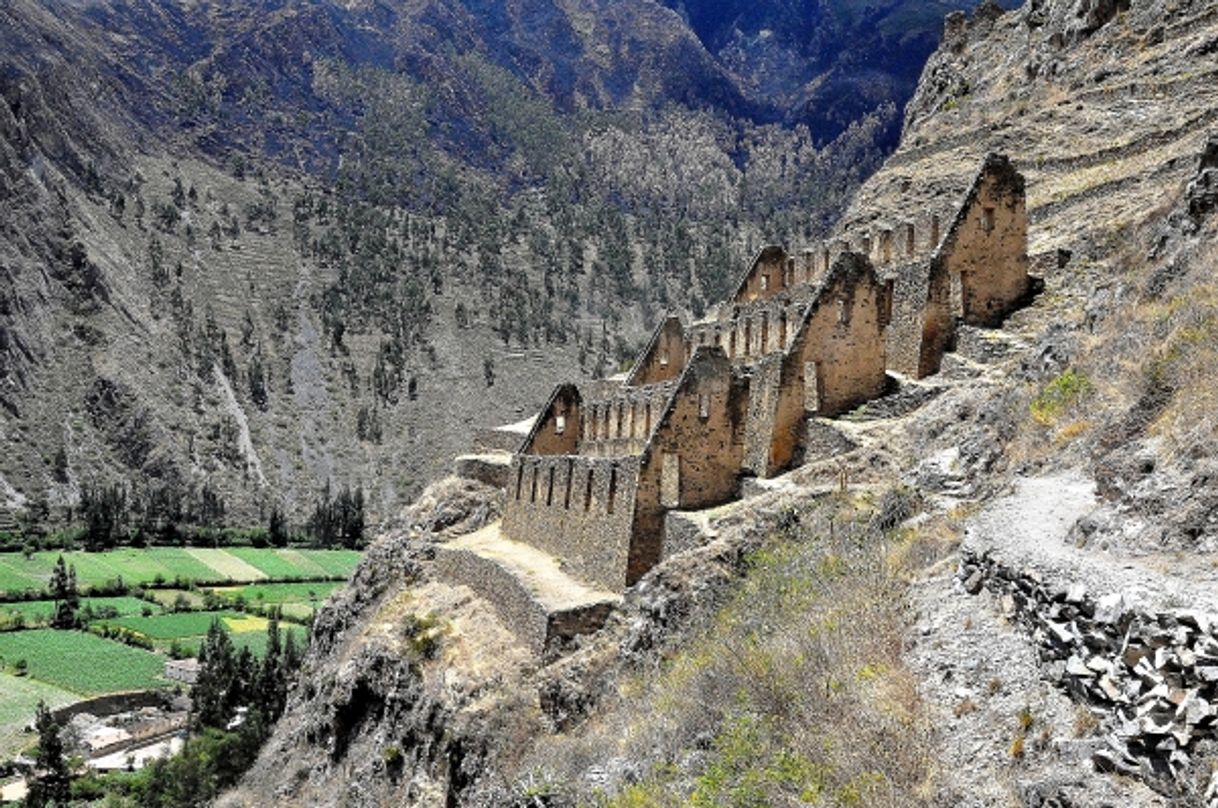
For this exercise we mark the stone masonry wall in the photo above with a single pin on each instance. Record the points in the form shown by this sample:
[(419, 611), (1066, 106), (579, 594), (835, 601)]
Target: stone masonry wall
[(766, 277), (664, 357), (622, 423), (557, 429), (578, 509), (698, 445), (987, 246), (844, 337)]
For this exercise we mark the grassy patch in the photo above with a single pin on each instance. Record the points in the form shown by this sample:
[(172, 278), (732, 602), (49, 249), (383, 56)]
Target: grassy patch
[(278, 594), (33, 613), (794, 693), (169, 626), (1058, 395), (80, 662)]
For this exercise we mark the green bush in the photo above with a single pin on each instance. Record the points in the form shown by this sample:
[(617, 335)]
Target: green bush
[(1059, 394)]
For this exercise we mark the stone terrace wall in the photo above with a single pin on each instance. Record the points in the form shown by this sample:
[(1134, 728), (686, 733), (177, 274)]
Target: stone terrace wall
[(577, 509)]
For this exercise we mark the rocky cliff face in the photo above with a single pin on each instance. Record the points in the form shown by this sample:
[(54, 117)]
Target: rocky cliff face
[(1065, 459)]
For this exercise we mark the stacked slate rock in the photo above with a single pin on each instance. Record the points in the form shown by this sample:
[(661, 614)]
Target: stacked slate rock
[(1154, 676)]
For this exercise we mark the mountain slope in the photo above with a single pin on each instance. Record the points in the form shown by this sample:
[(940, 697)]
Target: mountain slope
[(1064, 464), (254, 247)]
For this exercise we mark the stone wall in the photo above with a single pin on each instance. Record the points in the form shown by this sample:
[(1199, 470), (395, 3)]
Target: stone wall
[(577, 509), (520, 611), (978, 274), (664, 357), (842, 340), (557, 429), (987, 246), (622, 423), (767, 276), (695, 456)]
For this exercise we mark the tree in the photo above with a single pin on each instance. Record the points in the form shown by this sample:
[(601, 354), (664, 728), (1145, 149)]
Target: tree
[(51, 783), (63, 592), (277, 530), (273, 678), (211, 699)]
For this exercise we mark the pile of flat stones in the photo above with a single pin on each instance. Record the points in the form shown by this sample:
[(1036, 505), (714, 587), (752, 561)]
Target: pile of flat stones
[(1154, 676)]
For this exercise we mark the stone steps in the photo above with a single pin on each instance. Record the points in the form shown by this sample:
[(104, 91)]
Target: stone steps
[(987, 346), (540, 603)]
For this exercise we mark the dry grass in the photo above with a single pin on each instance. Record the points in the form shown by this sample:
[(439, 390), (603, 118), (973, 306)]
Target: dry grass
[(794, 693)]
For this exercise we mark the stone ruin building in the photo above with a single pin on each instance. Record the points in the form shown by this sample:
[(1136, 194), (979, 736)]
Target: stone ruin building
[(731, 396)]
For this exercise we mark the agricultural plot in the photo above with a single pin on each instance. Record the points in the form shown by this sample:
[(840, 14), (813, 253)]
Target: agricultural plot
[(279, 564), (279, 594), (80, 662), (161, 565), (170, 626), (19, 697), (38, 612)]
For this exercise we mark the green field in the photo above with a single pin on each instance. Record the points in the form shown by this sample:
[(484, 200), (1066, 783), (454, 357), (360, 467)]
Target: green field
[(278, 594), (169, 626), (155, 565), (82, 663), (36, 612), (253, 640), (19, 696)]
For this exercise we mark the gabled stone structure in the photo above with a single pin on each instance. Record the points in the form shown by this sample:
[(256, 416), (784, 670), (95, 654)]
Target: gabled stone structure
[(592, 483), (975, 271), (730, 396)]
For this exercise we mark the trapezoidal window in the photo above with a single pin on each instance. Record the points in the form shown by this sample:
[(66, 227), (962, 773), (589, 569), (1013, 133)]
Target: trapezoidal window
[(987, 220), (612, 490), (560, 424), (670, 480), (843, 312), (704, 406), (765, 282), (664, 359)]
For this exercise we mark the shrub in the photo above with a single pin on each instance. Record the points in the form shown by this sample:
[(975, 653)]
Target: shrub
[(1057, 395)]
